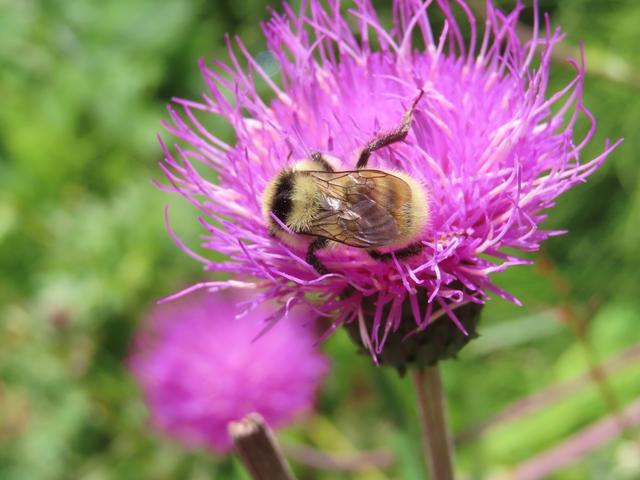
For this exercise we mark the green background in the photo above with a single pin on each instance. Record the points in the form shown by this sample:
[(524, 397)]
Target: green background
[(84, 253)]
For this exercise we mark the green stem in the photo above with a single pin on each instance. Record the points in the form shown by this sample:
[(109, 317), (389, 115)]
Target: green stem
[(436, 439)]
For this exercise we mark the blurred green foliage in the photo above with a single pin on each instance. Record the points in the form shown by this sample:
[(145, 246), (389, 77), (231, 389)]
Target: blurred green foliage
[(84, 253)]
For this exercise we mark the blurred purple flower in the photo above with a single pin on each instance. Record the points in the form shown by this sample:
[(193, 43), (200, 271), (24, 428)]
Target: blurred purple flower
[(493, 147), (200, 368)]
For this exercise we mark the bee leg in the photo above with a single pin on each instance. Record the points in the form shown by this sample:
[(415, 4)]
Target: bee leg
[(319, 159), (312, 259), (390, 136), (401, 254), (409, 251), (376, 255)]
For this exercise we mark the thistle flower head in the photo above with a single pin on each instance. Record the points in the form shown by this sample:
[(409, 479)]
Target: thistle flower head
[(492, 146), (200, 368)]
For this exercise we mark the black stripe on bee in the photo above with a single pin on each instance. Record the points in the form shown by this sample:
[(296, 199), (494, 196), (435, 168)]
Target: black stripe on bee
[(282, 203), (320, 160)]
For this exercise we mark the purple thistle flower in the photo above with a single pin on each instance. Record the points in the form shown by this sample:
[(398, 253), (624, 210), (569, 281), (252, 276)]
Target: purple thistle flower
[(490, 144), (200, 368)]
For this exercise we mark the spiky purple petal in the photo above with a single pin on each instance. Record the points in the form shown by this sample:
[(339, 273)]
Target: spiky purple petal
[(492, 145), (201, 367)]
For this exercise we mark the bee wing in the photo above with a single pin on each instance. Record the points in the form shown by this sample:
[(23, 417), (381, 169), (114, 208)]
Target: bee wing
[(356, 207)]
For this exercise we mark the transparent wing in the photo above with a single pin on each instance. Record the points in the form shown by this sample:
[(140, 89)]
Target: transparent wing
[(359, 207)]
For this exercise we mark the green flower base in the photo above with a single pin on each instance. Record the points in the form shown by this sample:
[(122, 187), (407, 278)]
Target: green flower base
[(440, 340)]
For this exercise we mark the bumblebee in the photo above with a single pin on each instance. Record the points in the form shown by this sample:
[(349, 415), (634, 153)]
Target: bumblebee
[(362, 208)]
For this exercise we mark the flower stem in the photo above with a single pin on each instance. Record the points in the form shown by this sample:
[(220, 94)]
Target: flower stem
[(436, 439), (258, 449)]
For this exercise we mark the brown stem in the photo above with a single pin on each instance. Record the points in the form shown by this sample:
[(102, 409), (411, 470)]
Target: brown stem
[(550, 395), (436, 439), (578, 321), (258, 449), (575, 447), (337, 462)]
